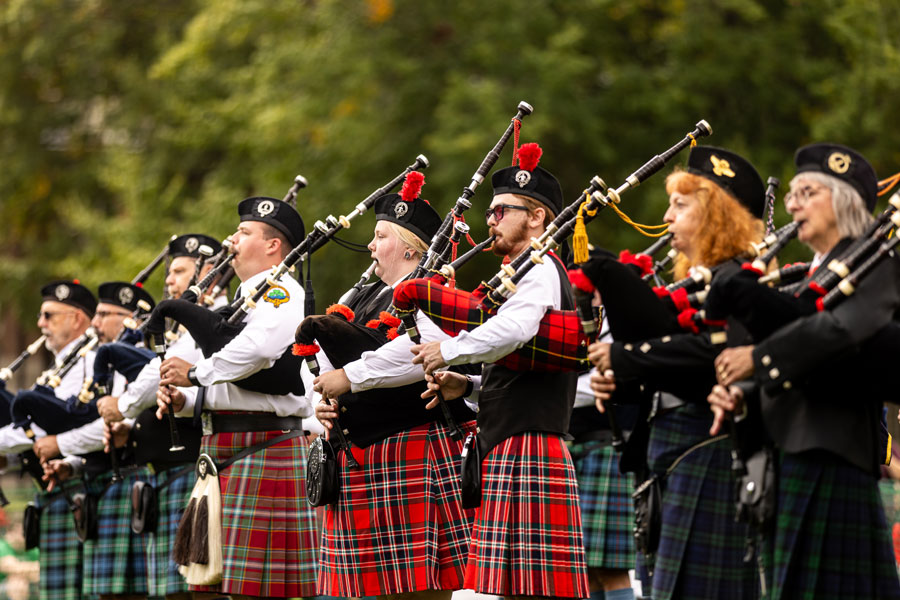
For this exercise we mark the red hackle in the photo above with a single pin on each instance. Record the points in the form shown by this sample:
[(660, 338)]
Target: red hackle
[(529, 156), (412, 186)]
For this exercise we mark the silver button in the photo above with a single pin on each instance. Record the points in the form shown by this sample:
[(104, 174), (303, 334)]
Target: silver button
[(774, 372), (766, 360)]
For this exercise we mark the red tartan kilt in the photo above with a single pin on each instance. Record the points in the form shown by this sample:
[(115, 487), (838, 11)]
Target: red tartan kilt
[(398, 525), (560, 343), (269, 538), (528, 538)]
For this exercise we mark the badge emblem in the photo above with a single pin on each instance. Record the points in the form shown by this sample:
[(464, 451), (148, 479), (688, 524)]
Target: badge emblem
[(523, 177), (839, 162), (126, 295), (400, 209), (61, 292), (191, 244), (721, 166), (277, 295), (265, 208)]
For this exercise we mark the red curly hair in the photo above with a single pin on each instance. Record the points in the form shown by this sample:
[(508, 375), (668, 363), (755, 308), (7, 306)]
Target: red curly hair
[(727, 228)]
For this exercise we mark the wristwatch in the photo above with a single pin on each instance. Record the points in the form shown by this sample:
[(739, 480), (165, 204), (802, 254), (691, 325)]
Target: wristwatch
[(192, 376)]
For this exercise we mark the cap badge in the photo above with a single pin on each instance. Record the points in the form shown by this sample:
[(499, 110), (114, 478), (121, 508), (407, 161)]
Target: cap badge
[(265, 208), (61, 292), (126, 295), (839, 162), (400, 209), (523, 177), (277, 295), (191, 244), (721, 166)]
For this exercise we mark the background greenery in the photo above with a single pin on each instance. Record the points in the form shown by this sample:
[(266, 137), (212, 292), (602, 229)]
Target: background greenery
[(124, 122)]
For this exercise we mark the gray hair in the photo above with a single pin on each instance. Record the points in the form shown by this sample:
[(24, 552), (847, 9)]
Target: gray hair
[(850, 210)]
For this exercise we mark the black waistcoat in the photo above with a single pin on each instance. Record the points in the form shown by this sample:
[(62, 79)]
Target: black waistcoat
[(513, 402)]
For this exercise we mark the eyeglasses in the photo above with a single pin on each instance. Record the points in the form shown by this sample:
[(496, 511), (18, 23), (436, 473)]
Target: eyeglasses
[(802, 195), (48, 315), (102, 314), (498, 210)]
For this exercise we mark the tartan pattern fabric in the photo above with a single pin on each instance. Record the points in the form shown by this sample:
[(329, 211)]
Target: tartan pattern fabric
[(268, 528), (61, 557), (162, 573), (831, 536), (607, 511), (560, 344), (701, 547), (114, 563), (398, 526), (527, 539)]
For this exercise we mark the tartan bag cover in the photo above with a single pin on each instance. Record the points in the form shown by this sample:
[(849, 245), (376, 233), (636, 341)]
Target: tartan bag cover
[(269, 533), (560, 343), (398, 525), (528, 539)]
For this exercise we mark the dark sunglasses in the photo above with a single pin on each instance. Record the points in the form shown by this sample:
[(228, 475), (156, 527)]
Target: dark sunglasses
[(497, 211)]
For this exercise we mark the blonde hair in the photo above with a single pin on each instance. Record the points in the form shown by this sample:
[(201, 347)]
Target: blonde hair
[(411, 240), (850, 211), (727, 228)]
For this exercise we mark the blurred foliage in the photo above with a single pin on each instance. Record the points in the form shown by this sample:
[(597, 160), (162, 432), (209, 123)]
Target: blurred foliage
[(122, 123)]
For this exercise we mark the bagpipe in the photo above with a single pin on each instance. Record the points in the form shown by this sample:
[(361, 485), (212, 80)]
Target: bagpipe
[(344, 341), (763, 309), (560, 344), (6, 372)]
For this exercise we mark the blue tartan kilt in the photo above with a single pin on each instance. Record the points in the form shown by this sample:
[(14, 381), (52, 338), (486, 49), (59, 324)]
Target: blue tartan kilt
[(607, 511), (114, 563), (61, 557), (701, 547), (831, 538), (163, 577)]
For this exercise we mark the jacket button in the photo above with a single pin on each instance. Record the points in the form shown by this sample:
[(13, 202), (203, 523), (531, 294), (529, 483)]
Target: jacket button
[(766, 360), (787, 385), (774, 372)]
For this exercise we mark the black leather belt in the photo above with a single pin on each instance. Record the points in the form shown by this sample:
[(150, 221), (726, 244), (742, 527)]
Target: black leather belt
[(243, 422), (604, 436)]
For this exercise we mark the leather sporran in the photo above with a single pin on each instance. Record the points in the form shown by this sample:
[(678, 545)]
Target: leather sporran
[(144, 508), (31, 526), (647, 516), (323, 484), (84, 511), (470, 473), (757, 494)]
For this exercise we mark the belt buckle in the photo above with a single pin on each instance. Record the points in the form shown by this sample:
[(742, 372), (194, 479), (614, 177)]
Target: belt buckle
[(206, 422)]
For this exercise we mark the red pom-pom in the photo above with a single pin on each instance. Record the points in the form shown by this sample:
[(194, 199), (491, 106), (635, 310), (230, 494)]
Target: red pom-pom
[(580, 281), (814, 286), (529, 156), (412, 186), (820, 304), (686, 320), (643, 262), (749, 267), (139, 284), (76, 282), (305, 349), (680, 299), (661, 292), (392, 333), (341, 309), (373, 324), (388, 319)]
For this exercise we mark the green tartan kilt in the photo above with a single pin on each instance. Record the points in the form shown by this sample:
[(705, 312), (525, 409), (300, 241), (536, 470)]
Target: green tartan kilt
[(163, 577), (61, 558), (607, 511)]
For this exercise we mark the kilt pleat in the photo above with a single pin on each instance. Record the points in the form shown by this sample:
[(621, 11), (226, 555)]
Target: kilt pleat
[(269, 533), (114, 563), (528, 538), (701, 547), (61, 556), (162, 572), (398, 525), (831, 537), (607, 511)]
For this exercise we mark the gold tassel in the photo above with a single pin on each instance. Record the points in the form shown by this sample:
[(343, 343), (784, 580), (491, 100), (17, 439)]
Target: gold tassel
[(580, 238)]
